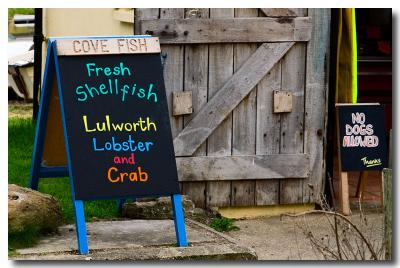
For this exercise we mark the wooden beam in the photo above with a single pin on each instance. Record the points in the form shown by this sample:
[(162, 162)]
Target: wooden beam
[(219, 143), (292, 124), (103, 46), (344, 200), (244, 120), (267, 140), (173, 69), (315, 101), (390, 149), (224, 168), (388, 212), (226, 30), (144, 13), (228, 97), (282, 12), (196, 66)]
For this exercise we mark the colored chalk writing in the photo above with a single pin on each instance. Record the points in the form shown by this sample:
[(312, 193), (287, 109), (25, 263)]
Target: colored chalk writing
[(362, 137), (118, 124)]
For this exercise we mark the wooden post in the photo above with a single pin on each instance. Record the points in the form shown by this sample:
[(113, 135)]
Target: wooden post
[(344, 201), (390, 149), (387, 205), (344, 193), (361, 185)]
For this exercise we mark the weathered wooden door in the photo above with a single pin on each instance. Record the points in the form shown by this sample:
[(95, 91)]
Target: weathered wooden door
[(233, 150)]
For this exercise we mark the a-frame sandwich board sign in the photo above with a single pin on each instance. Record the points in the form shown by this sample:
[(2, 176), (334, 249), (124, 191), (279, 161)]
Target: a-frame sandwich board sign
[(361, 145), (115, 123)]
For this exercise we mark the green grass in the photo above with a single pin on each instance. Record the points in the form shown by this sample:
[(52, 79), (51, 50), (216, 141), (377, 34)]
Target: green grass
[(21, 132), (20, 11), (223, 225), (24, 239)]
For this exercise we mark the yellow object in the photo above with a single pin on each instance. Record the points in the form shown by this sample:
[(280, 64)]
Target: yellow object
[(87, 22), (263, 211), (346, 61), (76, 22)]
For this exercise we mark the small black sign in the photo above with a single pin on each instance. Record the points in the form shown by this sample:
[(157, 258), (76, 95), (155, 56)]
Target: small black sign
[(362, 137), (117, 126)]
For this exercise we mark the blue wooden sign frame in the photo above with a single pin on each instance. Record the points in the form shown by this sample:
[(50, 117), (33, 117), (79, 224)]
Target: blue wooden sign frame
[(38, 171)]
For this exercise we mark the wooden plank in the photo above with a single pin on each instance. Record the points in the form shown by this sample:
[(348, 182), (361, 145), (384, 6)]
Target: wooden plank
[(142, 14), (243, 193), (218, 194), (344, 199), (293, 76), (79, 47), (196, 79), (244, 115), (283, 12), (251, 167), (219, 142), (268, 123), (283, 101), (293, 80), (244, 120), (196, 72), (267, 192), (390, 149), (229, 30), (182, 103), (268, 133), (316, 100), (228, 97), (361, 185), (388, 212), (196, 13), (267, 139), (290, 191), (173, 68), (196, 192)]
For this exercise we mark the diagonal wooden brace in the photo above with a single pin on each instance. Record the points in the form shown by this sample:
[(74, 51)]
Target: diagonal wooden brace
[(229, 96)]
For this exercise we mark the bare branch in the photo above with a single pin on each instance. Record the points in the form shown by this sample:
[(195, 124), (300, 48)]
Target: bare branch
[(367, 243)]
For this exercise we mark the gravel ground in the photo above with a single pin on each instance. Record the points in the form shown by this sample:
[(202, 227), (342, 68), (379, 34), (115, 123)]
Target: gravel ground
[(274, 238)]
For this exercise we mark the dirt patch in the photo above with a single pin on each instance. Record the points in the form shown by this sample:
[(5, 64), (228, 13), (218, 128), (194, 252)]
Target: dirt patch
[(277, 238)]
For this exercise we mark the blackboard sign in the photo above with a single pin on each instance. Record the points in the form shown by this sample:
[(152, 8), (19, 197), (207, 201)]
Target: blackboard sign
[(117, 122), (362, 137)]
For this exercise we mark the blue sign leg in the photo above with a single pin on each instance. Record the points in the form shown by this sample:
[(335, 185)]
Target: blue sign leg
[(120, 203), (80, 227), (78, 204), (42, 119), (180, 229), (34, 181)]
